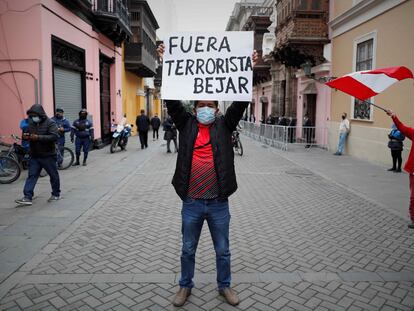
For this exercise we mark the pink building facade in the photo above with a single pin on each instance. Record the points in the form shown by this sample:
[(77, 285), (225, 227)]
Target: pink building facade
[(261, 105), (314, 99), (51, 56)]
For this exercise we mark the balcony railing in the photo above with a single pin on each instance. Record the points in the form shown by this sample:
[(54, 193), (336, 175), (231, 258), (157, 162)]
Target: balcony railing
[(112, 8)]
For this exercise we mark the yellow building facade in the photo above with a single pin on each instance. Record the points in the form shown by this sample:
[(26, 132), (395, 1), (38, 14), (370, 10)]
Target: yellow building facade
[(370, 34), (135, 97)]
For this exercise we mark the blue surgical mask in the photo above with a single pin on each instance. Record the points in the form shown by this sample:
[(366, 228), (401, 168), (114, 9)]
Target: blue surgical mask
[(206, 115), (36, 119)]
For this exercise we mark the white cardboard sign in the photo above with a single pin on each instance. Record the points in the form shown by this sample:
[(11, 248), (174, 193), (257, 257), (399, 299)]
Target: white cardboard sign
[(208, 66)]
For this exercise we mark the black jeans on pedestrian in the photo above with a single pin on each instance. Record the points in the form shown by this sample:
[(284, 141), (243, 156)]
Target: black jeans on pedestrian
[(35, 166), (154, 132), (143, 138), (396, 159)]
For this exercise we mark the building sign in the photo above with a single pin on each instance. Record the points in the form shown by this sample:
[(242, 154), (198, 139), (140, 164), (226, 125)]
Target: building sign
[(208, 66)]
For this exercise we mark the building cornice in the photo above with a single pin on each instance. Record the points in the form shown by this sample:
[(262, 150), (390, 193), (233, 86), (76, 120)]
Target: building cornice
[(360, 13)]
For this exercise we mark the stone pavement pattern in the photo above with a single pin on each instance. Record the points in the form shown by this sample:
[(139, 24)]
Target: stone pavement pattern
[(298, 242)]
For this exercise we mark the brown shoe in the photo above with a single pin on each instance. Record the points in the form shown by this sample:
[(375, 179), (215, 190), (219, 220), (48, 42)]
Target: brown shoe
[(181, 296), (230, 295)]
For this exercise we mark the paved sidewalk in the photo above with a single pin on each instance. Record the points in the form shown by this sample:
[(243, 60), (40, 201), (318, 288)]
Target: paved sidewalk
[(300, 240)]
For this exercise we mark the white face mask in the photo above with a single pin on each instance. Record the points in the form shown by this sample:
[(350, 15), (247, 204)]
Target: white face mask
[(206, 115), (36, 119)]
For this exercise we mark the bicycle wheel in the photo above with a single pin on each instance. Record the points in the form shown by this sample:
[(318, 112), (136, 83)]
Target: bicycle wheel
[(9, 170), (240, 149), (10, 154), (66, 160)]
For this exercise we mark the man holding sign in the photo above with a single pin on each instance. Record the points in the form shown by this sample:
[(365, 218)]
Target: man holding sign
[(206, 68)]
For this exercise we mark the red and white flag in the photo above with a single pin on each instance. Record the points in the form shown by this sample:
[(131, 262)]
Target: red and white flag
[(366, 84)]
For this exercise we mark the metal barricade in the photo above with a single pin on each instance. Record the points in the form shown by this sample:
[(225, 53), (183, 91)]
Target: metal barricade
[(282, 137)]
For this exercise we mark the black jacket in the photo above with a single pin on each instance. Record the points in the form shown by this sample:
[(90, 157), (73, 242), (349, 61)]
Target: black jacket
[(47, 131), (155, 123), (143, 123), (221, 140)]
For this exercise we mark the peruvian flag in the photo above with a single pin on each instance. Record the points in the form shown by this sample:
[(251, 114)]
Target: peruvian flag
[(366, 84)]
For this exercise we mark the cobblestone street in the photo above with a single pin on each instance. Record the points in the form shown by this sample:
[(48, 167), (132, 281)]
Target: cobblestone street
[(299, 241)]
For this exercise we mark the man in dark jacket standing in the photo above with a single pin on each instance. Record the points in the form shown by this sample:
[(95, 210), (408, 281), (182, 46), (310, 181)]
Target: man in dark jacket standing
[(155, 124), (143, 123), (42, 133), (204, 178), (63, 127)]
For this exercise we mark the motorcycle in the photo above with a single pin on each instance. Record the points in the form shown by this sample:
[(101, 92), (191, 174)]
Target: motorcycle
[(120, 136)]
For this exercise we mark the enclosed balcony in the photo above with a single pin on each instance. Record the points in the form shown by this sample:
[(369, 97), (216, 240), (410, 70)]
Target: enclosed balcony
[(141, 52), (112, 19), (301, 31), (140, 59)]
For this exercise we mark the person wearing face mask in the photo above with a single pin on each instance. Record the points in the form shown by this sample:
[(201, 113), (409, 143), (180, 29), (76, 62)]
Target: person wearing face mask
[(204, 179), (82, 128), (42, 134), (63, 127), (343, 134)]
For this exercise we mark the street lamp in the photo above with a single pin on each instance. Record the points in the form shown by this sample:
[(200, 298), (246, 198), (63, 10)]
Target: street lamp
[(307, 69)]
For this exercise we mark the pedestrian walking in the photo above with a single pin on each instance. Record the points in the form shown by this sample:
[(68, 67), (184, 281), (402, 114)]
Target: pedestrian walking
[(343, 134), (155, 124), (63, 127), (204, 179), (307, 131), (409, 165), (396, 146), (82, 129), (170, 133), (42, 134), (143, 123)]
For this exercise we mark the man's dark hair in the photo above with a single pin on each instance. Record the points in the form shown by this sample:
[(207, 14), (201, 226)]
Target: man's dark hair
[(196, 102)]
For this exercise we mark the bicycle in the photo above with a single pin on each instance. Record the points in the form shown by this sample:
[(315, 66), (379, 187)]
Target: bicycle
[(10, 169), (64, 159), (237, 145)]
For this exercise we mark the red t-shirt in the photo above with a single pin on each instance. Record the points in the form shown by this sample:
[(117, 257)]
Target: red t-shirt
[(203, 179)]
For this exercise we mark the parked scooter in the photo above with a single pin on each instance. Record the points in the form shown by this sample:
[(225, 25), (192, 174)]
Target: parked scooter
[(120, 136)]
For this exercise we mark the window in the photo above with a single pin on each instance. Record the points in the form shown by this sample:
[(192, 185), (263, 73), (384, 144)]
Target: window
[(364, 60), (135, 16)]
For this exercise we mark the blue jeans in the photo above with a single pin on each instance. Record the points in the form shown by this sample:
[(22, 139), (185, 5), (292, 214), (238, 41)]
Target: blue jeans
[(35, 166), (341, 143), (84, 144), (217, 214)]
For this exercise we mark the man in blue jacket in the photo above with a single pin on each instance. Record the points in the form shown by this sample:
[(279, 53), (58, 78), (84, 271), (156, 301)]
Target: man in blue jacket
[(82, 128), (63, 127)]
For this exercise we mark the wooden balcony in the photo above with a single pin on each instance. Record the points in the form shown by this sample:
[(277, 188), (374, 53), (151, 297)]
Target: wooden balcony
[(301, 31), (140, 59), (112, 19)]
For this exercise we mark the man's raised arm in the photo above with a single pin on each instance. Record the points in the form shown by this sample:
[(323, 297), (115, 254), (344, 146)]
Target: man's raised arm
[(234, 114)]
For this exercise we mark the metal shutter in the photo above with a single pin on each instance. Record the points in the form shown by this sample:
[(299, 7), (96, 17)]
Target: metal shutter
[(68, 95)]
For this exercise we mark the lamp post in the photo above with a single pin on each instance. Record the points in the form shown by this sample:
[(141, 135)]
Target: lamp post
[(307, 70)]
